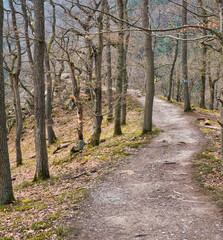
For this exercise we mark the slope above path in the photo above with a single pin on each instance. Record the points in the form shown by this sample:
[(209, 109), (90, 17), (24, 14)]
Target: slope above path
[(154, 195)]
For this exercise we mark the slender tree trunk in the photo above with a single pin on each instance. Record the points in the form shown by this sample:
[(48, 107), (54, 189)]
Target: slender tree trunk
[(172, 70), (125, 74), (15, 87), (204, 58), (42, 169), (149, 59), (26, 28), (120, 67), (49, 120), (89, 68), (49, 90), (19, 120), (77, 101), (109, 67), (184, 60), (178, 88), (220, 3), (6, 193), (203, 77), (96, 133)]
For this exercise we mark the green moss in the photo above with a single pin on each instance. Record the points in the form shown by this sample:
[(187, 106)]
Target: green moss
[(85, 160), (23, 185), (206, 130), (41, 225)]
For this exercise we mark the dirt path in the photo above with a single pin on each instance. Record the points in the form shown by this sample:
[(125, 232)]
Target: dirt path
[(153, 196)]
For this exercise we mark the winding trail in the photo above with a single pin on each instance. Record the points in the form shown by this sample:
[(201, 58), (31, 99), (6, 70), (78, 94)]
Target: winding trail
[(154, 196)]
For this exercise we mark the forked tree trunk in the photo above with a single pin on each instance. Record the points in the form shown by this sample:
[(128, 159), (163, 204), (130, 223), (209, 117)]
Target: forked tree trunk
[(42, 169), (6, 193), (120, 67), (149, 59), (184, 60)]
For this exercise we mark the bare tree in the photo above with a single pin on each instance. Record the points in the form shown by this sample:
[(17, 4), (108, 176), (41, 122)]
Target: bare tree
[(172, 70), (14, 73), (95, 137), (49, 92), (184, 59), (42, 169), (149, 59), (6, 193), (120, 68)]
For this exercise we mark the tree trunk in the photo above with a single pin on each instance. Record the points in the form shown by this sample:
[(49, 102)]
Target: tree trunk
[(42, 169), (96, 133), (6, 193), (77, 101), (203, 77), (125, 74), (89, 68), (172, 70), (15, 87), (178, 88), (49, 120), (204, 57), (109, 67), (220, 2), (120, 67), (149, 59), (26, 28), (184, 60), (19, 120)]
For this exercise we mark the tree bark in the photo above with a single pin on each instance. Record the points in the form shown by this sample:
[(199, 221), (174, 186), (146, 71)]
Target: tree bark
[(96, 133), (204, 57), (77, 100), (120, 67), (172, 70), (149, 59), (125, 74), (49, 91), (184, 59), (6, 193), (109, 67), (14, 76), (42, 169)]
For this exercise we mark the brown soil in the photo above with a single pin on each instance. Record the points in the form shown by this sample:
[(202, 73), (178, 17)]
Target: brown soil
[(154, 196)]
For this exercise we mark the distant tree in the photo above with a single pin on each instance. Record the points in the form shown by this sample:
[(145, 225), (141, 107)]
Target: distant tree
[(149, 66), (42, 169), (6, 193)]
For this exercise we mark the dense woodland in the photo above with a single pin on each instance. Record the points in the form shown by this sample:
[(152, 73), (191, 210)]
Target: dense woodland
[(78, 54)]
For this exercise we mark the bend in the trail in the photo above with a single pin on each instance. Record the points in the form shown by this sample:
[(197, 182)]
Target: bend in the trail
[(154, 195)]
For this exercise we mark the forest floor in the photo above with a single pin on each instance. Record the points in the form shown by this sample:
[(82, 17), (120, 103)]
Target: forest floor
[(155, 195), (41, 208)]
